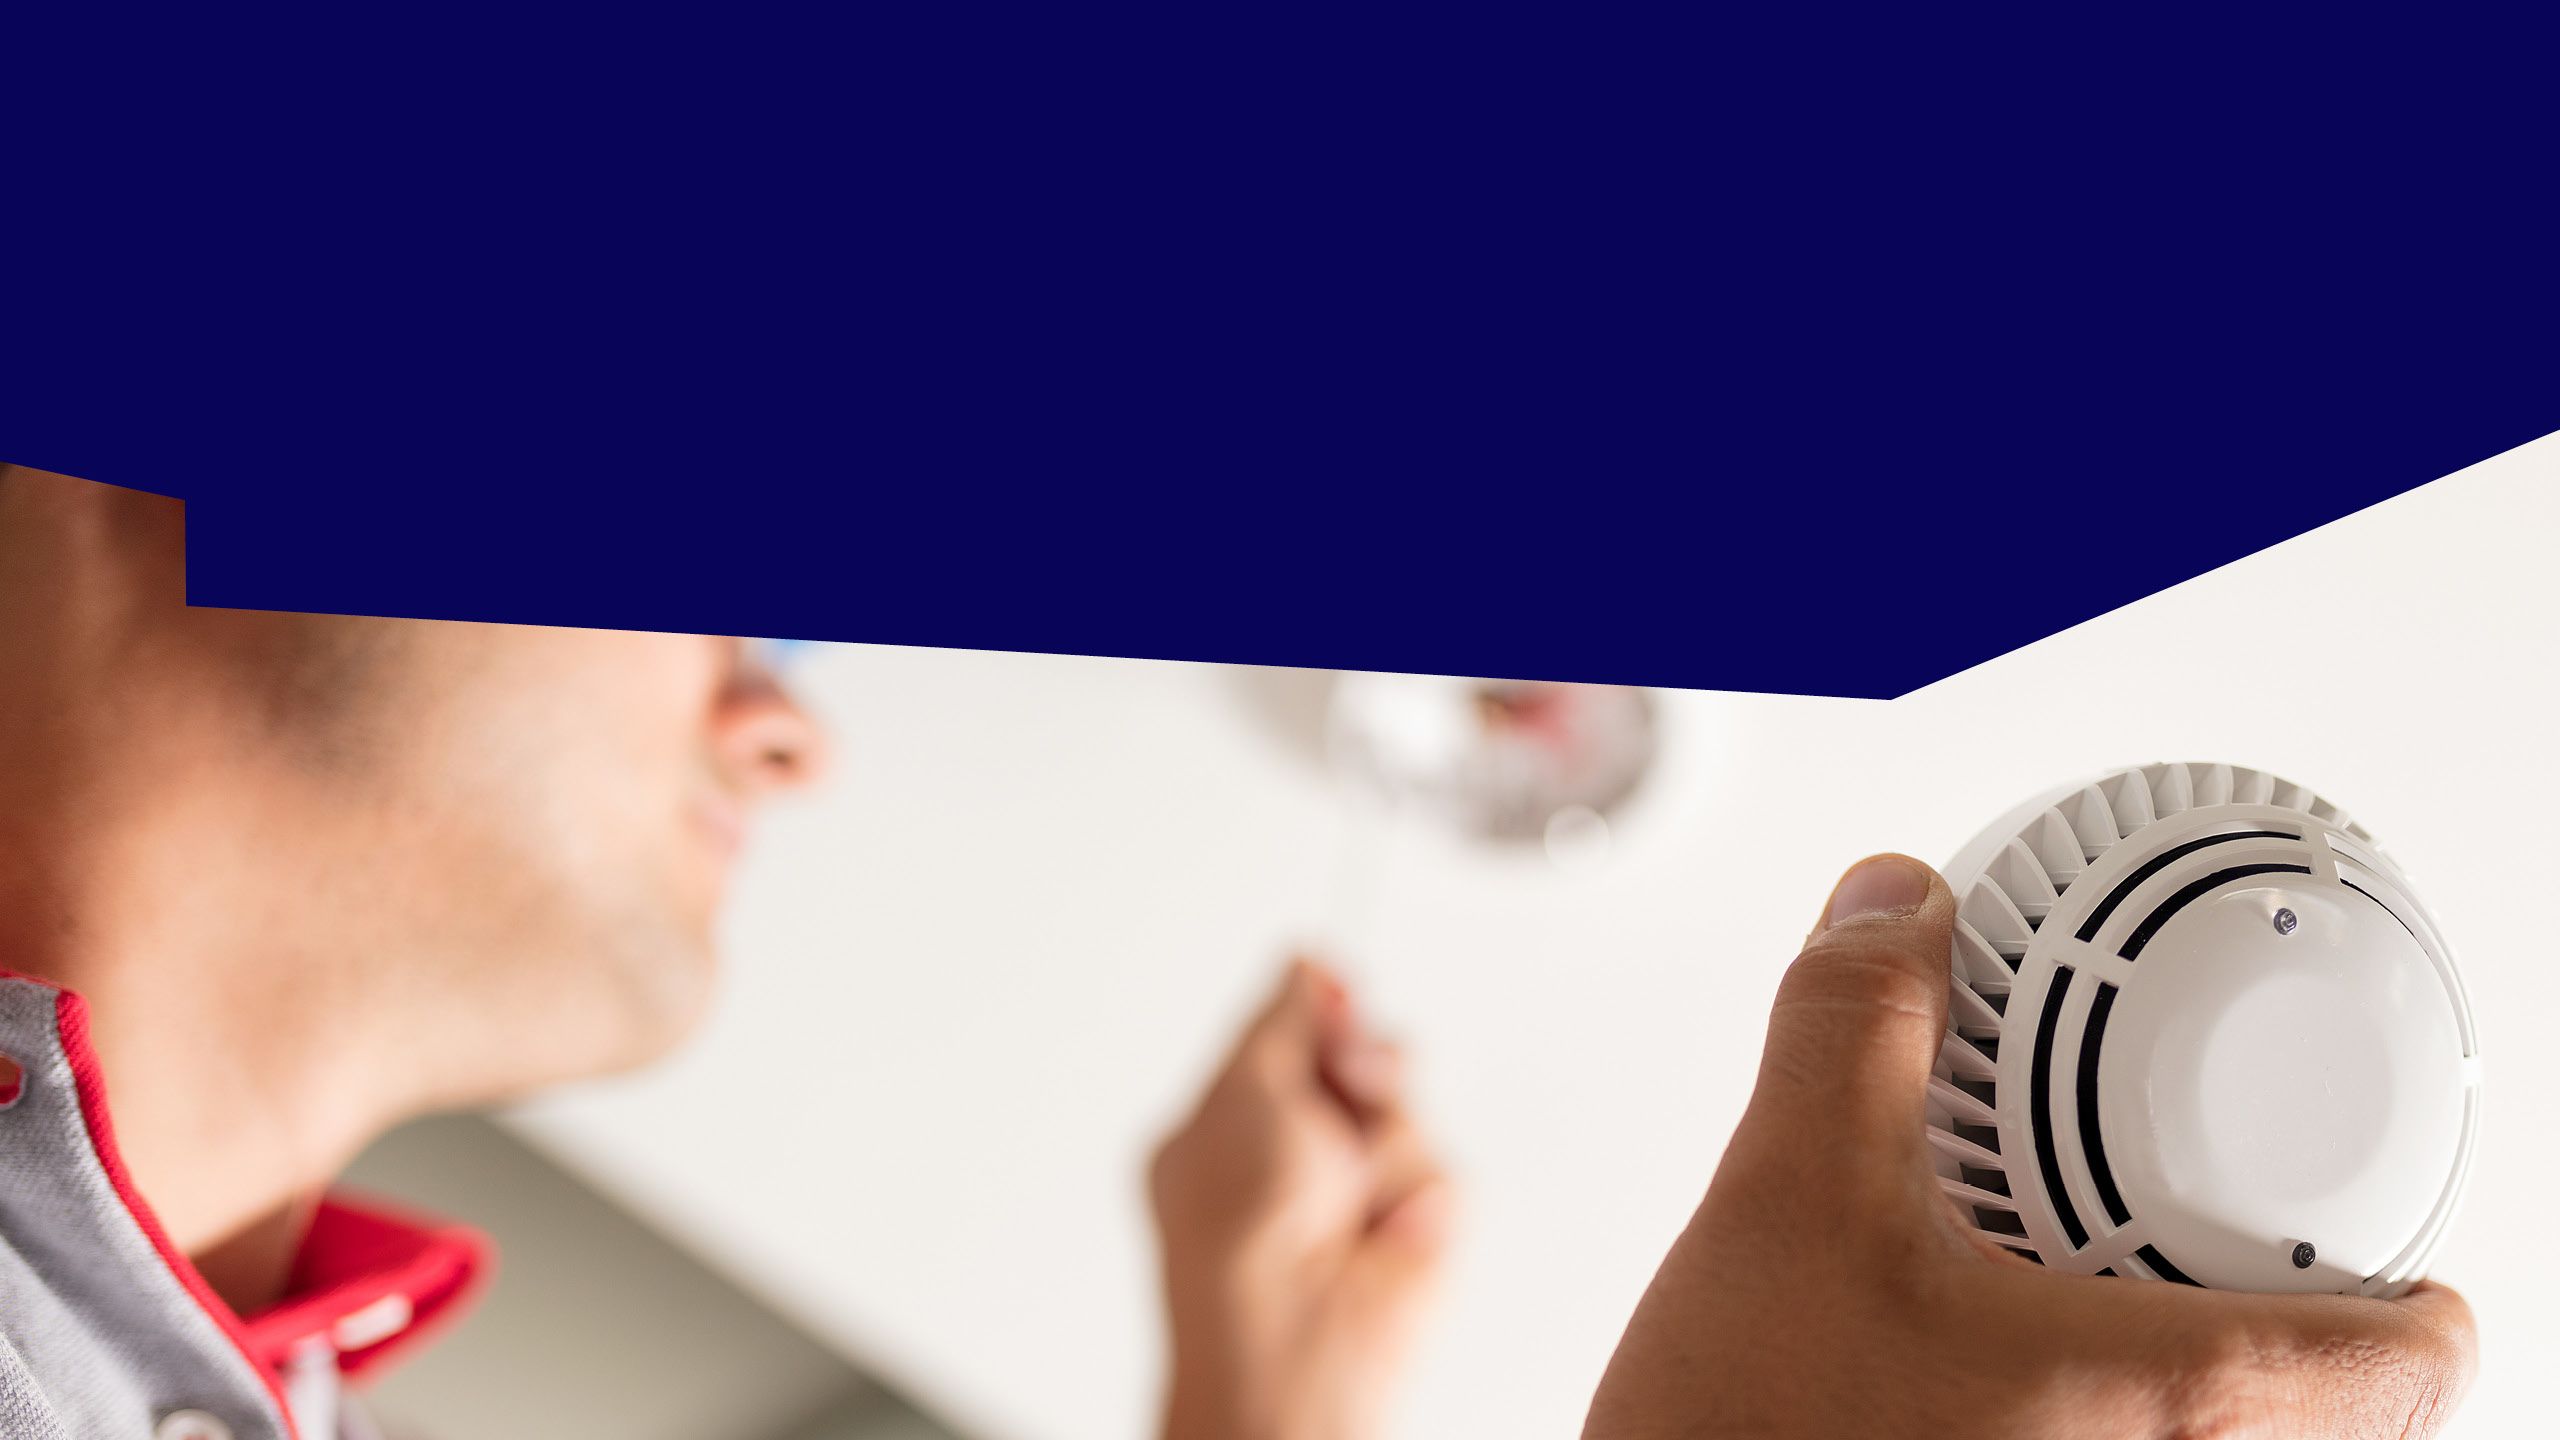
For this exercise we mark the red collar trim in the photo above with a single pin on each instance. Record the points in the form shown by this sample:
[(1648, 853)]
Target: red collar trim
[(71, 1030), (373, 1283)]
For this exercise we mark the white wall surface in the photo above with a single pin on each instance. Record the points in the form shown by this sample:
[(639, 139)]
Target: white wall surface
[(972, 980), (593, 1327)]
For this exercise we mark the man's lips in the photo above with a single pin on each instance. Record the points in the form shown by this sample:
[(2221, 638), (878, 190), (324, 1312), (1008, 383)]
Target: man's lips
[(723, 818)]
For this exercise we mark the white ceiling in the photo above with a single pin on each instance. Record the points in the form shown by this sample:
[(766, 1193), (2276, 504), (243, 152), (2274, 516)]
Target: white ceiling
[(973, 978)]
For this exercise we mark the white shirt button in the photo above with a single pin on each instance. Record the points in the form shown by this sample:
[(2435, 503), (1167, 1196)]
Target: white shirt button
[(191, 1425), (373, 1324)]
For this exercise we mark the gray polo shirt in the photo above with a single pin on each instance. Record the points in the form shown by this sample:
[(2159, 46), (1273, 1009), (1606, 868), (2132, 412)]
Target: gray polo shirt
[(106, 1332)]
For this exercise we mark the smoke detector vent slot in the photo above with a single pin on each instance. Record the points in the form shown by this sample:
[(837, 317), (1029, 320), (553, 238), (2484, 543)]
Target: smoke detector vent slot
[(2169, 909), (2092, 1133), (2098, 917), (2041, 1105)]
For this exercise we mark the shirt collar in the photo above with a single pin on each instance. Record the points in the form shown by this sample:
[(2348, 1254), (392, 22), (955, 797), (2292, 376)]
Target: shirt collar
[(373, 1282)]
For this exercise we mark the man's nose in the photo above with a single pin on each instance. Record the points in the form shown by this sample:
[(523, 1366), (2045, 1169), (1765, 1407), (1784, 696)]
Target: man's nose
[(762, 741)]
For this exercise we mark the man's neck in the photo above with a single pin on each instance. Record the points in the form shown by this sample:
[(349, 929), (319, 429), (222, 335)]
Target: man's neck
[(132, 871), (233, 1091), (252, 1269)]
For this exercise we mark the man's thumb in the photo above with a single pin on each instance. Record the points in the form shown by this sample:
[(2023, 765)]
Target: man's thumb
[(1861, 1013)]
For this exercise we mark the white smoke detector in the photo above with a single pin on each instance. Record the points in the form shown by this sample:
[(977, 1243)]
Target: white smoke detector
[(2202, 1031)]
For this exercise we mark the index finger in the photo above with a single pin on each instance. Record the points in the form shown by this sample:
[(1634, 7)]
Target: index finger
[(1279, 1044)]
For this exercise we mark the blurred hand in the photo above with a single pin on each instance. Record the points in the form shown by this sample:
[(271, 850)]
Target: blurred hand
[(1303, 1221), (1826, 1286)]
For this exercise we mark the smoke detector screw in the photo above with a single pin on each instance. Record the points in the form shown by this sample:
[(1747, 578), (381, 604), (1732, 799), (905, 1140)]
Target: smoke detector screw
[(2285, 921), (2303, 1254)]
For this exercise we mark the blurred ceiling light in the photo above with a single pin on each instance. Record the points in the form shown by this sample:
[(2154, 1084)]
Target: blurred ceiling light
[(1518, 760)]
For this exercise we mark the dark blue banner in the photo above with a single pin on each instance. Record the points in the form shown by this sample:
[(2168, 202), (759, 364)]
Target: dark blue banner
[(1829, 362)]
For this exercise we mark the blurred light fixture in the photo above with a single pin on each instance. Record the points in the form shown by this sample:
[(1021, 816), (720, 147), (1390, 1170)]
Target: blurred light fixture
[(1513, 760)]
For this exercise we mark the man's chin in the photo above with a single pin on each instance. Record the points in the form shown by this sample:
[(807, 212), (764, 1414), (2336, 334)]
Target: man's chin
[(667, 997)]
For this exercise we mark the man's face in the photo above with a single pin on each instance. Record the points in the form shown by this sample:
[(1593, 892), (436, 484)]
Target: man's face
[(488, 856), (539, 823)]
